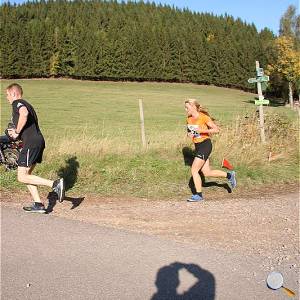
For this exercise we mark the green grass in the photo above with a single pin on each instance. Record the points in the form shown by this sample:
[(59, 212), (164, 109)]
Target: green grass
[(112, 107), (100, 146)]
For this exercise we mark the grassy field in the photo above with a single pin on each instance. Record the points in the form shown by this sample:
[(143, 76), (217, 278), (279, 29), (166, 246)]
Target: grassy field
[(92, 132)]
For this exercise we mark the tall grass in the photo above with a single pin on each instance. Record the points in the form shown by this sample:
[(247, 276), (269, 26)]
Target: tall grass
[(239, 141)]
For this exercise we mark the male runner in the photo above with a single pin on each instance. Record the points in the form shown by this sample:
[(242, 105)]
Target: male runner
[(27, 129)]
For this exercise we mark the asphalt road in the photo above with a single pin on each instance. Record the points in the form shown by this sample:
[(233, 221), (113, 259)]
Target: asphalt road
[(47, 257)]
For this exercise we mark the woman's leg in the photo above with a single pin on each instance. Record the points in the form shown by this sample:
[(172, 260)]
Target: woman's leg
[(218, 173), (207, 172), (196, 167)]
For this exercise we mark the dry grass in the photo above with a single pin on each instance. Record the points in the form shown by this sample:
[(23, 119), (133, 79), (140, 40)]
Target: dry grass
[(239, 142)]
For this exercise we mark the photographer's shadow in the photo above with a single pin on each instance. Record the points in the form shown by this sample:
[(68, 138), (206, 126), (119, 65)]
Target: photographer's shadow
[(188, 157), (167, 281), (69, 173)]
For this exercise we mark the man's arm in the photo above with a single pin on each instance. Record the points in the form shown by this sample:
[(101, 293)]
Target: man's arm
[(23, 115), (22, 119)]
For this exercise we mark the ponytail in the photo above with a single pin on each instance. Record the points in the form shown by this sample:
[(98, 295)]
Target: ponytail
[(198, 106)]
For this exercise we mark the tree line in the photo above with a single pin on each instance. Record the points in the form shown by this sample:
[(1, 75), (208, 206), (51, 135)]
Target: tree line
[(108, 40)]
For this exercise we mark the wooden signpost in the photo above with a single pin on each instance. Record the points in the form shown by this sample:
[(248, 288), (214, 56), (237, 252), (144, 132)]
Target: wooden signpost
[(260, 77)]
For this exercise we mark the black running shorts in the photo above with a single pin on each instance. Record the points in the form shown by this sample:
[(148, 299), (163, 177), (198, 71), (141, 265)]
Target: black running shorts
[(203, 149), (30, 156)]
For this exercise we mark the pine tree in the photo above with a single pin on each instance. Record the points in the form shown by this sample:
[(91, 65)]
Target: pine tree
[(128, 41)]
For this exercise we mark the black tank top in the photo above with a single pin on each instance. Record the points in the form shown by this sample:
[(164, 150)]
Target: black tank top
[(31, 134)]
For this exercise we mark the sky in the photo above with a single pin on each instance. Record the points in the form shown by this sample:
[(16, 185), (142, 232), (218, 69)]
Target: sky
[(263, 13)]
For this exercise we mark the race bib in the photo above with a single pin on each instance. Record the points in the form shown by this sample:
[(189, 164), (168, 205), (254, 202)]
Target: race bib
[(193, 130)]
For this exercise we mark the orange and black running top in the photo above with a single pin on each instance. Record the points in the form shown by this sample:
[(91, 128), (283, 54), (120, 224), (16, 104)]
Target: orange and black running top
[(199, 123)]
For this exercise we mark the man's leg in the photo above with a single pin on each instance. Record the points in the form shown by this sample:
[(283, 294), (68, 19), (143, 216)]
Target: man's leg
[(28, 158), (37, 206), (33, 188), (24, 176), (32, 181)]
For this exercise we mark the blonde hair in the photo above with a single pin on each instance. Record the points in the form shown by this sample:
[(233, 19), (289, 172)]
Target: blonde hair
[(198, 106), (16, 87)]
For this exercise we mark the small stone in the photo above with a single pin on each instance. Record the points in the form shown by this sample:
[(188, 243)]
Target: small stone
[(28, 285)]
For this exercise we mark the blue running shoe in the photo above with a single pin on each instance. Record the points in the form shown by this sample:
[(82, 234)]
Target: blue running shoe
[(232, 179), (195, 198)]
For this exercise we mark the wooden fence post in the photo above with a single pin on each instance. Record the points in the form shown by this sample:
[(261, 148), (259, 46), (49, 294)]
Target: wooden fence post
[(142, 123)]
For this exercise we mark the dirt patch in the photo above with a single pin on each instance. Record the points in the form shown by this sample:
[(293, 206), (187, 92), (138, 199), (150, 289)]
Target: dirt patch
[(265, 225)]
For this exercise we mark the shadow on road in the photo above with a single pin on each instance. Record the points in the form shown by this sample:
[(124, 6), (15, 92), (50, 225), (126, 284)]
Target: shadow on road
[(167, 282), (52, 200)]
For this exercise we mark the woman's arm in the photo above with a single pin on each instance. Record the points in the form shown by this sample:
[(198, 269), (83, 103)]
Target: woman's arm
[(212, 128)]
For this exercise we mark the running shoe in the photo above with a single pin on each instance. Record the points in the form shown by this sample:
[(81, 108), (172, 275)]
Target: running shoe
[(59, 189), (232, 179), (36, 207), (195, 198)]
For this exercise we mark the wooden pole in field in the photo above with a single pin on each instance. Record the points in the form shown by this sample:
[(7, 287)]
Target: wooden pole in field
[(142, 123), (260, 77), (261, 110)]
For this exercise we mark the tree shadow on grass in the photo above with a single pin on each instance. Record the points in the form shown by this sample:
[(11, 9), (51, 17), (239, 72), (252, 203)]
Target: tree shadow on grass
[(188, 157), (69, 173)]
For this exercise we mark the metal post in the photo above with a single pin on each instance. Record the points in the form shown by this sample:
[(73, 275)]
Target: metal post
[(142, 123)]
